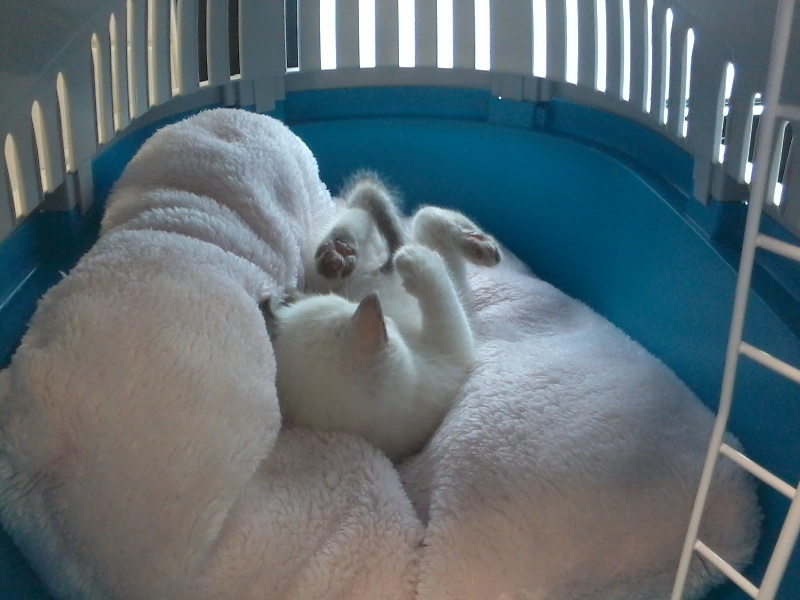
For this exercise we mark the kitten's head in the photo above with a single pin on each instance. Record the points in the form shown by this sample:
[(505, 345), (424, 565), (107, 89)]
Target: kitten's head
[(325, 342)]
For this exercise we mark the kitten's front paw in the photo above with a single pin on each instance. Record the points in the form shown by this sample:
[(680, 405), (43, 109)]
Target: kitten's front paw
[(480, 248), (417, 267), (336, 259)]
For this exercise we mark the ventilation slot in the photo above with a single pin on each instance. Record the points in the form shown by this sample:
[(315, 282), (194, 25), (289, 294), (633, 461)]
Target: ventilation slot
[(444, 34), (756, 109), (571, 20), (723, 108), (601, 37), (483, 61), (783, 145), (648, 74), (540, 38), (292, 50), (626, 50), (327, 34), (406, 19), (367, 50)]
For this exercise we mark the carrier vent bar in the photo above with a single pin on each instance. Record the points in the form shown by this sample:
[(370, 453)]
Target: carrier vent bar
[(778, 247), (767, 360), (773, 111), (758, 471), (724, 566)]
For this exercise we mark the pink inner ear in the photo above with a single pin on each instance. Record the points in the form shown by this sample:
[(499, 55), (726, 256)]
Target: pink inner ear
[(368, 325)]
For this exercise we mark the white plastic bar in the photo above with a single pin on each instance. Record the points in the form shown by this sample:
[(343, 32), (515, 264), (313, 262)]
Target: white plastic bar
[(137, 57), (614, 44), (119, 69), (778, 247), (675, 84), (308, 35), (783, 24), (387, 36), (426, 32), (48, 145), (658, 82), (101, 67), (782, 553), (587, 44), (6, 209), (640, 42), (767, 360), (188, 59), (347, 32), (708, 93), (217, 46), (18, 151), (512, 36), (789, 111), (262, 38), (158, 63), (556, 40), (758, 471), (464, 34), (723, 565)]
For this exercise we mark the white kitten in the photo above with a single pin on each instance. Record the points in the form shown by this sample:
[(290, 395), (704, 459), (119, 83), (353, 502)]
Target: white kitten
[(384, 352)]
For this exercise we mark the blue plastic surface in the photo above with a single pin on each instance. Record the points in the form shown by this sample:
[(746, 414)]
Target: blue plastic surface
[(593, 204)]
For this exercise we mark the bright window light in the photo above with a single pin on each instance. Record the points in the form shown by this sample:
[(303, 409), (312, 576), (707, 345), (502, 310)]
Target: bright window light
[(483, 53), (729, 74), (408, 39), (540, 38), (602, 45), (327, 34), (648, 75), (626, 50), (667, 65), (444, 26), (366, 34), (687, 81), (572, 41)]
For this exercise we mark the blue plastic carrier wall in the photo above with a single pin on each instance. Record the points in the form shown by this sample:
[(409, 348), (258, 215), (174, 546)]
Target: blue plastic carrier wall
[(594, 204)]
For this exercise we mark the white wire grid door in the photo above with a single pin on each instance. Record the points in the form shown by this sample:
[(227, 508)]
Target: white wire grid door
[(774, 118), (138, 59)]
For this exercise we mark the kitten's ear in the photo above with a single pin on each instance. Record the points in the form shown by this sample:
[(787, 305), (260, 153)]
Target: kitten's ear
[(368, 327)]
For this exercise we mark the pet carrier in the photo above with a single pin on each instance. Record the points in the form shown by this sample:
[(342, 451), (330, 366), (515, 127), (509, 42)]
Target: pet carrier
[(638, 154)]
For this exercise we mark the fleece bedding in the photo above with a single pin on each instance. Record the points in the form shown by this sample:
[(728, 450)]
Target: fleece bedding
[(142, 454)]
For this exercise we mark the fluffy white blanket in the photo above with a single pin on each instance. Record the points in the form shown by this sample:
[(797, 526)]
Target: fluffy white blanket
[(141, 454)]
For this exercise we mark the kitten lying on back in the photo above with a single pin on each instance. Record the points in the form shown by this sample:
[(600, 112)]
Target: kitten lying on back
[(384, 352)]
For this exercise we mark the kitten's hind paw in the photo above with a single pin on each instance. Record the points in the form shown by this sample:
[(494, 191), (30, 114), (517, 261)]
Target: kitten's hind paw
[(336, 259), (480, 248)]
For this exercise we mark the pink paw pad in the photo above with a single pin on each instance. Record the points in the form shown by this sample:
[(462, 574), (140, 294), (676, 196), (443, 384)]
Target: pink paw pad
[(481, 248), (335, 259)]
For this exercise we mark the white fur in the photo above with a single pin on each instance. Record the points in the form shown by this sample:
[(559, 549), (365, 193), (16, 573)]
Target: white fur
[(335, 371)]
